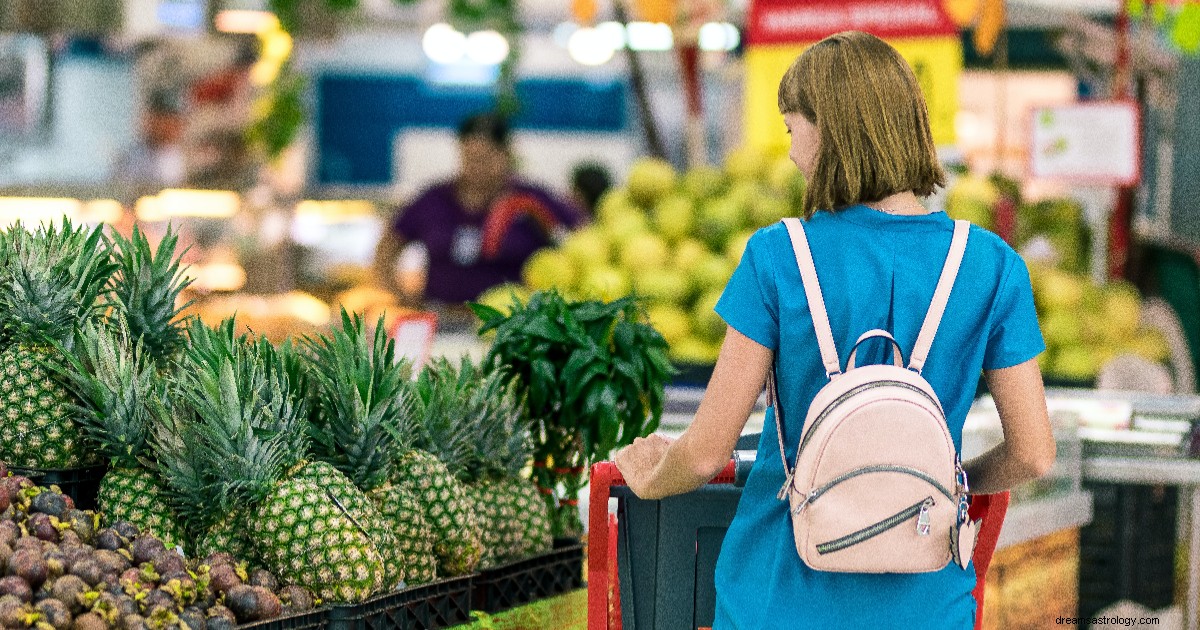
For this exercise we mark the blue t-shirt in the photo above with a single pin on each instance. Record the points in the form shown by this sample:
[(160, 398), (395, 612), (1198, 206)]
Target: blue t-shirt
[(876, 271)]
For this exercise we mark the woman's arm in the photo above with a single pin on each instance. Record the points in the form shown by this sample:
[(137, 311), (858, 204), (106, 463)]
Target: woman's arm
[(655, 467), (1028, 450)]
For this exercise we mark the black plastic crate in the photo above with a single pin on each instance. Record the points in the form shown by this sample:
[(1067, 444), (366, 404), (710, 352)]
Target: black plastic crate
[(81, 484), (312, 620), (427, 607), (537, 577)]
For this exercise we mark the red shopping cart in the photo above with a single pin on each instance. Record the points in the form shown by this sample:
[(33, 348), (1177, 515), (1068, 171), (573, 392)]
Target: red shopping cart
[(662, 579)]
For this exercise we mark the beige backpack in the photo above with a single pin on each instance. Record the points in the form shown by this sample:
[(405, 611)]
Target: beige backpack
[(877, 486)]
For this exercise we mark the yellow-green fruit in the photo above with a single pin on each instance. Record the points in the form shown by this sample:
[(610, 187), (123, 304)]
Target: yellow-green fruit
[(712, 273), (643, 253), (1122, 308), (737, 246), (615, 201), (782, 175), (689, 254), (972, 198), (670, 322), (747, 162), (708, 325), (1061, 291), (770, 209), (1062, 329), (588, 246), (501, 297), (649, 180), (719, 219), (621, 227), (548, 268), (674, 217), (1150, 345), (703, 182), (1076, 363), (664, 286), (695, 351), (604, 283)]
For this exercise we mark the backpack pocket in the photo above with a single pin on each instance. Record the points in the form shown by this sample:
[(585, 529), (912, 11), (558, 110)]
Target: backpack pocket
[(919, 511)]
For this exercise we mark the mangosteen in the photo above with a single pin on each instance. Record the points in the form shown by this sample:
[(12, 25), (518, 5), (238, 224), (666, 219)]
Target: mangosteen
[(132, 575), (28, 564), (69, 589), (224, 577), (126, 529), (55, 613), (9, 532), (83, 524), (243, 601), (193, 617), (89, 570), (90, 621), (51, 503), (219, 558), (222, 613), (263, 577), (5, 502), (110, 561), (6, 552), (69, 538), (29, 542), (109, 539), (147, 549), (75, 553), (220, 623), (11, 611), (14, 485), (41, 527), (158, 599), (269, 606), (133, 622), (169, 562), (296, 599), (17, 587)]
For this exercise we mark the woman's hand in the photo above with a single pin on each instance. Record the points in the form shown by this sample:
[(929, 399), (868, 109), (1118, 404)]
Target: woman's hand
[(638, 461)]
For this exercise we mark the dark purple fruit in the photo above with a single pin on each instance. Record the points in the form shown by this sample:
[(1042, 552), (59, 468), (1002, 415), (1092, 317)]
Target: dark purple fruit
[(83, 524), (110, 562), (5, 501), (17, 587), (6, 552), (89, 570), (40, 527), (55, 613), (296, 599), (90, 621), (14, 485), (133, 622), (73, 554), (264, 578), (194, 618), (216, 559), (133, 575), (158, 599), (28, 565), (269, 606), (69, 589), (110, 539), (224, 577), (51, 503), (170, 562), (222, 613), (126, 529), (29, 542), (243, 601), (220, 623), (10, 611), (70, 538), (147, 549), (9, 532)]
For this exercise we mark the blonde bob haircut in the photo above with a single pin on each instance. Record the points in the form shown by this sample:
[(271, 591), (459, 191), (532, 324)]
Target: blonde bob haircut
[(871, 118)]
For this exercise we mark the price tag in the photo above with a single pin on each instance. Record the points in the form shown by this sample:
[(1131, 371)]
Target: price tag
[(413, 334)]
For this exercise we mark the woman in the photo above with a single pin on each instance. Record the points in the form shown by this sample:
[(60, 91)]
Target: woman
[(481, 226), (860, 134)]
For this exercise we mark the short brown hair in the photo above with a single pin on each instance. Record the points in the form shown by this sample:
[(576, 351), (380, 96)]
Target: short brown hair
[(872, 119)]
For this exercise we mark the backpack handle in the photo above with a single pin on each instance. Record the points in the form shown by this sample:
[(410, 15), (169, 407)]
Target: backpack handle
[(897, 356)]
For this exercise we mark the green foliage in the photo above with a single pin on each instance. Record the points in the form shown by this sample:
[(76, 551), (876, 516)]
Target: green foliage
[(146, 289), (281, 120)]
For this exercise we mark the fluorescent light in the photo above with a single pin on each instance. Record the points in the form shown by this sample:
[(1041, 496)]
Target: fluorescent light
[(177, 202), (590, 47), (649, 36), (487, 47), (32, 211), (443, 44), (718, 36), (614, 32), (102, 211), (245, 21)]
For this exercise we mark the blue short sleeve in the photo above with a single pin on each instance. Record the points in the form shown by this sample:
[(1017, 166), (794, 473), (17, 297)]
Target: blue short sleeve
[(1014, 336), (750, 302)]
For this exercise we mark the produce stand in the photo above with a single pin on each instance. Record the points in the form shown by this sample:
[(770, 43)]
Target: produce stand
[(440, 604), (538, 577)]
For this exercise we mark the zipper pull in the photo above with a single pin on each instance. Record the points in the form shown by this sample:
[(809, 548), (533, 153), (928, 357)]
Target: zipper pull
[(923, 517), (808, 498), (787, 483)]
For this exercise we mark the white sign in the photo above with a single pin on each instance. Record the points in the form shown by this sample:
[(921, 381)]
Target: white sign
[(1087, 143)]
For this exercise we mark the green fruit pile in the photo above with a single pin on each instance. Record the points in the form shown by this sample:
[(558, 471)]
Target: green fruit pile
[(673, 239), (1086, 325)]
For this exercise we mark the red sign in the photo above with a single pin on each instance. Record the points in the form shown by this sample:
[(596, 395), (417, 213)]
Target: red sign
[(796, 21)]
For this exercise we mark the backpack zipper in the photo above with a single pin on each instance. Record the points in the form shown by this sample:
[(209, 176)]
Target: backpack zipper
[(919, 510), (908, 470), (871, 385)]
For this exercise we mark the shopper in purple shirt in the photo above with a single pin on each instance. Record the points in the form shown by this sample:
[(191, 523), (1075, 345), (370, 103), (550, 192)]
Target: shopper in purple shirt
[(478, 228)]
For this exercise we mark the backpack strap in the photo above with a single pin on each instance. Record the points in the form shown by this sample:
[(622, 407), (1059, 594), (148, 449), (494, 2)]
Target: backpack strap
[(816, 302), (941, 296)]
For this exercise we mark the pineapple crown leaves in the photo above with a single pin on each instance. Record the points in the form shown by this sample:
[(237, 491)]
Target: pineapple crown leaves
[(249, 430), (55, 278), (190, 484), (115, 383), (209, 347), (146, 289), (364, 417)]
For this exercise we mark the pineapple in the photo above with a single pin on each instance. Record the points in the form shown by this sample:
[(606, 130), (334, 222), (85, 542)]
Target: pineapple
[(308, 523), (363, 412), (483, 406), (146, 291), (52, 282), (114, 379)]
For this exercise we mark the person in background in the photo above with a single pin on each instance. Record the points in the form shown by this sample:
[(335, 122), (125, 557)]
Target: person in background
[(589, 182), (479, 227), (157, 160)]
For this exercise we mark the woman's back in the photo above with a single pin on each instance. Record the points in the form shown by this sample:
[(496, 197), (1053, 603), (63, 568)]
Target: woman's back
[(876, 271)]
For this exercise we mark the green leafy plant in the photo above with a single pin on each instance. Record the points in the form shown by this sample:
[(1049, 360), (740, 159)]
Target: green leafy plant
[(592, 375)]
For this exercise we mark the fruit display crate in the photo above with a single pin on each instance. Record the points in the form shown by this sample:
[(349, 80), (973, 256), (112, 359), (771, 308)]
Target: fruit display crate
[(439, 604), (81, 484), (531, 579), (313, 620)]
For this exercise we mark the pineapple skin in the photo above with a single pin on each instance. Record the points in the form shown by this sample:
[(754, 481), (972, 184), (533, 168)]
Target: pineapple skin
[(37, 429), (229, 536), (447, 510), (133, 495), (306, 538), (414, 538), (535, 534), (498, 527)]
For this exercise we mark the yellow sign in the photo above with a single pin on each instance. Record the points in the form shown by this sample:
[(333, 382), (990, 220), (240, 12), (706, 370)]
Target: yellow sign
[(937, 62)]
